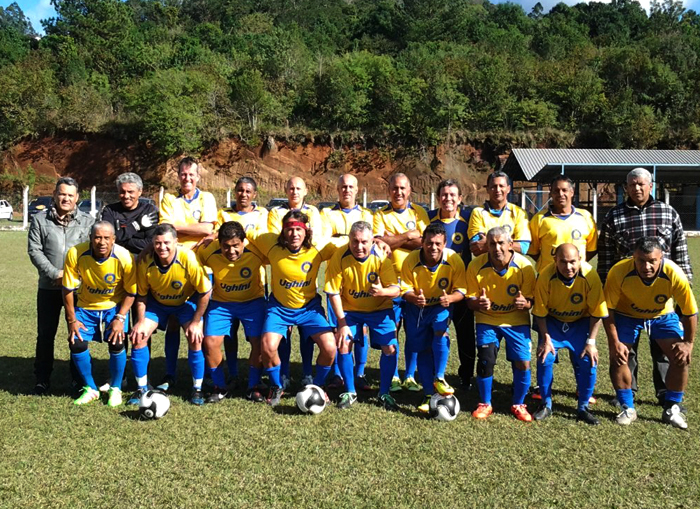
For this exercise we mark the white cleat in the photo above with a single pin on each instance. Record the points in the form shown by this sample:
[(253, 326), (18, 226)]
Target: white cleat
[(627, 416), (674, 417)]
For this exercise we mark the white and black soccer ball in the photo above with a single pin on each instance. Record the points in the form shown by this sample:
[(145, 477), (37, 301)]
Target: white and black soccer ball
[(153, 404), (311, 399), (444, 408)]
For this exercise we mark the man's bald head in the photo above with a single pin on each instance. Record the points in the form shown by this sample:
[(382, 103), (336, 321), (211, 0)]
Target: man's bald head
[(568, 260), (347, 191), (296, 192)]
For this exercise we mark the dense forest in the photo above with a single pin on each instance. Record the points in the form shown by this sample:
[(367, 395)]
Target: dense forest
[(180, 75)]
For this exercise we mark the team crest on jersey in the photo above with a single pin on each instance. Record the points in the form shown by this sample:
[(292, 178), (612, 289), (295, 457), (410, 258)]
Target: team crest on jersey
[(372, 277), (110, 278), (576, 234), (512, 290), (245, 272), (660, 299), (306, 267), (457, 238), (197, 214), (176, 285), (411, 225), (507, 228), (249, 227), (442, 283), (576, 298)]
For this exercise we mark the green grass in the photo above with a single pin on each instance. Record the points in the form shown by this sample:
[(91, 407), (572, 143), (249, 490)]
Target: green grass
[(240, 454)]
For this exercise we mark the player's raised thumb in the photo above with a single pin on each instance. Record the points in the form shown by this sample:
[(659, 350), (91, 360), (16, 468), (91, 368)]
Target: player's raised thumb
[(520, 295), (420, 292), (378, 281), (483, 293), (444, 292)]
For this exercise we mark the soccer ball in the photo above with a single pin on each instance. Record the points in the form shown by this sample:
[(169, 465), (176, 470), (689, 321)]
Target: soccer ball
[(444, 408), (153, 404), (311, 399)]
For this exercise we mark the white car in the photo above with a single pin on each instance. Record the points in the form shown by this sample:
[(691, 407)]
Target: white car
[(5, 210)]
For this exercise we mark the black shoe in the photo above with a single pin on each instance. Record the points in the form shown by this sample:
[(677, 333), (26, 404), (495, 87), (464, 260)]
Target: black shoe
[(275, 396), (216, 397), (197, 397), (668, 404), (232, 383), (361, 384), (335, 382), (254, 395), (586, 416), (466, 383), (41, 388), (542, 413)]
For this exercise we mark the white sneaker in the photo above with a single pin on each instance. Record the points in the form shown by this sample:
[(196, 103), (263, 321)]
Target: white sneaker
[(104, 387), (307, 380), (627, 416), (674, 417)]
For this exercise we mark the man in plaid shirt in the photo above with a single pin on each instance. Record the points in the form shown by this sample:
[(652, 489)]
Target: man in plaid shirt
[(642, 216)]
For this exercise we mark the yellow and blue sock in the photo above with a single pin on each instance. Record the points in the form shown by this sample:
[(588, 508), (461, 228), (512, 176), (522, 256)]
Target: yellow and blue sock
[(521, 384), (195, 358), (83, 363), (387, 367)]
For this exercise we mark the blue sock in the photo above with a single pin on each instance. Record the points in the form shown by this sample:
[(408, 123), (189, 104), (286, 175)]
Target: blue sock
[(426, 370), (335, 366), (361, 349), (195, 358), (306, 348), (441, 353), (387, 367), (485, 386), (284, 350), (172, 349), (322, 374), (231, 349), (545, 376), (217, 376), (625, 397), (84, 365), (117, 365), (274, 374), (411, 364), (521, 384), (674, 396), (396, 371), (586, 375), (345, 363), (139, 363), (254, 375)]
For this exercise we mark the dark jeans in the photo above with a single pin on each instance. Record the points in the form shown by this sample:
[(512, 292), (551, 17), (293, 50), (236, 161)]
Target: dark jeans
[(659, 367), (463, 319), (48, 311)]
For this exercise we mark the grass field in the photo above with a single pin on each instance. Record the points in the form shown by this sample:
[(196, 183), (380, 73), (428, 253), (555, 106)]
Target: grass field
[(240, 454)]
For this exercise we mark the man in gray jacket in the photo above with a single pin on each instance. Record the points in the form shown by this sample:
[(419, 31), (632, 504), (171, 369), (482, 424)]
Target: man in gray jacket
[(52, 233)]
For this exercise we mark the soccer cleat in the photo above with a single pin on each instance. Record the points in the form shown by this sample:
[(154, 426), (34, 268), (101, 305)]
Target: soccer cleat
[(88, 396), (114, 397), (167, 383), (41, 388), (285, 382), (104, 387), (520, 412), (542, 413), (482, 411), (275, 396), (395, 385), (307, 380), (410, 384), (216, 397), (361, 384), (347, 399), (136, 397), (425, 406), (254, 395), (535, 393), (335, 382), (674, 417), (627, 416), (197, 397), (231, 384), (388, 402), (442, 387), (586, 416)]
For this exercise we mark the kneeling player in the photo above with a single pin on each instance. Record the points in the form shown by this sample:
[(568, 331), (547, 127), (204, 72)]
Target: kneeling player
[(238, 296), (500, 285), (102, 276), (432, 279), (569, 305), (639, 293), (355, 280), (167, 280)]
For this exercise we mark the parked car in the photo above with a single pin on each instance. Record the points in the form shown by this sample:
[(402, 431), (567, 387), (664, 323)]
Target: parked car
[(5, 210), (276, 202), (85, 206), (39, 204), (426, 206), (325, 204), (375, 205)]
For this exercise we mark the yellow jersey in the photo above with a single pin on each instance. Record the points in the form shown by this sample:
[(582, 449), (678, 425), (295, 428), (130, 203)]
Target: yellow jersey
[(274, 220), (448, 275), (390, 221), (549, 231), (352, 279), (501, 288), (569, 300), (255, 220), (628, 294), (100, 284), (512, 218), (238, 281), (338, 221), (178, 210), (174, 284)]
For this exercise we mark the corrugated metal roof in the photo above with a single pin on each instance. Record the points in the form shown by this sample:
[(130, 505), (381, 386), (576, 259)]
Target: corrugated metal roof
[(527, 163)]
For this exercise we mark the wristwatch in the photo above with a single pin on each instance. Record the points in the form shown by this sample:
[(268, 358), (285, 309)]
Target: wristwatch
[(120, 317)]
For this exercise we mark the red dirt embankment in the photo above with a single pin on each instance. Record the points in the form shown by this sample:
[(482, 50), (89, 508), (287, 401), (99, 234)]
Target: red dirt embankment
[(96, 161)]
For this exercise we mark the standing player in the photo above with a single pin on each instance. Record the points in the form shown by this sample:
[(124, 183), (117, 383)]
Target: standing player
[(338, 220), (500, 287), (569, 305), (193, 214), (455, 218), (640, 292), (167, 280), (361, 284), (238, 295), (432, 279), (498, 212), (102, 277), (400, 225)]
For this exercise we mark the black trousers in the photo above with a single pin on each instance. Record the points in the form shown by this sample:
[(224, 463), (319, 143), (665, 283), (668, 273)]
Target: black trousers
[(48, 312), (659, 367), (463, 319)]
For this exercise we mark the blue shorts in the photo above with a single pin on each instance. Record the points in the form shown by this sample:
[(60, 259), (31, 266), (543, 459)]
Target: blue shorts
[(398, 304), (159, 313), (569, 335), (381, 325), (663, 327), (221, 315), (422, 325), (97, 323), (332, 319), (311, 319), (518, 342)]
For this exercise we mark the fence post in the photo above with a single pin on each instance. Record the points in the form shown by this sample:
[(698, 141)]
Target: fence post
[(523, 198), (364, 197), (228, 198), (160, 196), (667, 197), (595, 203), (432, 201), (25, 207), (93, 207)]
